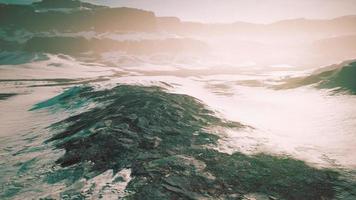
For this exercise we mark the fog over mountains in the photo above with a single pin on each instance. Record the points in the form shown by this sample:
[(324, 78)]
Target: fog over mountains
[(317, 42), (120, 103)]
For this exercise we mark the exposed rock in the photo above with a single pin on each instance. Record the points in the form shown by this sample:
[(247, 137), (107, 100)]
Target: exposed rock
[(4, 96), (67, 15), (79, 45), (150, 142), (137, 127), (339, 78)]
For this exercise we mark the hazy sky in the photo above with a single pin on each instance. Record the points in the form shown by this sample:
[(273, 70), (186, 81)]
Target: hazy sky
[(260, 11)]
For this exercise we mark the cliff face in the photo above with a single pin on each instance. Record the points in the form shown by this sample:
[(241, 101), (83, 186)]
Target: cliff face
[(78, 45), (63, 4), (72, 17), (297, 42)]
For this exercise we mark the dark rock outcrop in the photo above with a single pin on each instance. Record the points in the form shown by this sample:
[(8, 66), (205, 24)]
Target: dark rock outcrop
[(98, 18), (4, 96), (52, 4), (339, 78), (163, 138), (77, 45)]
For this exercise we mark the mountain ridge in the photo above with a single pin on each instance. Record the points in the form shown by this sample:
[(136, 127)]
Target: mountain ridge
[(350, 19), (339, 78)]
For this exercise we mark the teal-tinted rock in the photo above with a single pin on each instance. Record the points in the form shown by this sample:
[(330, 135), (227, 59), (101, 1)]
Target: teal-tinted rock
[(163, 138)]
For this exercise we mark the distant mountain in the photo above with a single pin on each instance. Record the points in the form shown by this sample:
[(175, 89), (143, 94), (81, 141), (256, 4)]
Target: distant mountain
[(89, 17), (334, 49), (286, 30), (345, 25), (336, 45), (78, 45), (338, 77), (296, 42), (74, 15), (64, 4)]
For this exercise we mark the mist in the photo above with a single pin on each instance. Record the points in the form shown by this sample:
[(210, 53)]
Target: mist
[(178, 100)]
